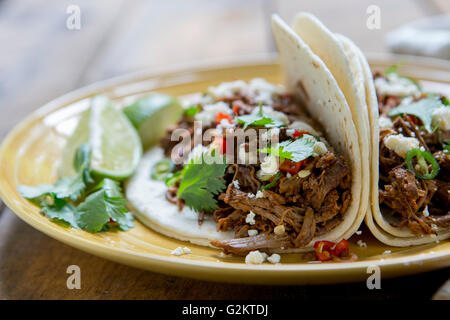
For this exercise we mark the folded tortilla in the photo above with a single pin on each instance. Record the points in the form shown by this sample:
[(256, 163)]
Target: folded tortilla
[(309, 78)]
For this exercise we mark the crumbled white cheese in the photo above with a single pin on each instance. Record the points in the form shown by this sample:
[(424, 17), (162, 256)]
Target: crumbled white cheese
[(279, 230), (263, 91), (250, 218), (259, 194), (320, 148), (401, 144), (208, 115), (396, 86), (186, 250), (384, 122), (255, 257), (441, 117), (426, 213), (251, 195), (269, 166), (247, 157), (196, 153), (252, 232), (274, 258), (271, 135), (304, 173), (180, 251), (361, 244), (288, 175), (228, 89), (236, 184)]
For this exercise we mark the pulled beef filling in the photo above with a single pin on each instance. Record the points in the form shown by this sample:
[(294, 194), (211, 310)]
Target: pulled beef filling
[(303, 206), (422, 205)]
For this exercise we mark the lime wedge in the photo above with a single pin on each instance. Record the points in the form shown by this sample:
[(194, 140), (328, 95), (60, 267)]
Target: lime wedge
[(151, 115), (116, 147)]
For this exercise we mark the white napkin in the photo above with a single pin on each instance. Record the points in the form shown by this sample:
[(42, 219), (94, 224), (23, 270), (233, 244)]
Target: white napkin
[(425, 37)]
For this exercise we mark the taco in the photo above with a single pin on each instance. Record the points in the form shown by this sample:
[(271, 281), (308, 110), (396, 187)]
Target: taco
[(410, 190), (302, 182)]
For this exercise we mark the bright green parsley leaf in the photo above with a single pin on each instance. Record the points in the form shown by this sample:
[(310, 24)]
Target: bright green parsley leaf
[(296, 150), (192, 110), (200, 183), (421, 109)]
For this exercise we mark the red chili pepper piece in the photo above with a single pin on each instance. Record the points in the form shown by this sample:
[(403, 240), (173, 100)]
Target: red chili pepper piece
[(220, 116), (340, 248), (298, 134), (323, 250), (235, 109), (291, 166)]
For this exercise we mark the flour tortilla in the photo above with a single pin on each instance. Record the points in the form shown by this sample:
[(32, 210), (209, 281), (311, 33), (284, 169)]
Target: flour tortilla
[(325, 102), (378, 221), (344, 64), (308, 77)]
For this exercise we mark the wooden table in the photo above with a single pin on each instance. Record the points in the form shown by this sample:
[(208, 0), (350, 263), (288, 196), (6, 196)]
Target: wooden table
[(42, 59)]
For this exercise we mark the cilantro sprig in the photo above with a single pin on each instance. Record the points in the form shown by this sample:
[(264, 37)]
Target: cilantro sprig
[(200, 182), (296, 150), (80, 201), (421, 109), (259, 119)]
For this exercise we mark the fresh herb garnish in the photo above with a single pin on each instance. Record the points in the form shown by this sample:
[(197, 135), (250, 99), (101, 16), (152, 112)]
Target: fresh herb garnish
[(80, 203), (393, 71), (421, 109), (259, 119), (192, 110), (200, 183), (296, 150)]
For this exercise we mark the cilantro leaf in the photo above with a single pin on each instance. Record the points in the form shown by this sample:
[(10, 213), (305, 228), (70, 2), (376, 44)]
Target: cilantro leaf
[(200, 183), (103, 202), (259, 119), (92, 214), (421, 109), (296, 150), (101, 206), (61, 211)]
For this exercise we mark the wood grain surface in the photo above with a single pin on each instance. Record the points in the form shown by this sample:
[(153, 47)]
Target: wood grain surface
[(41, 59)]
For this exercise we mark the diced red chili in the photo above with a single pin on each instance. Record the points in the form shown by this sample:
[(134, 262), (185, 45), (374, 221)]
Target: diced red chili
[(298, 134), (291, 166), (220, 116), (235, 109), (323, 250), (340, 248), (326, 250)]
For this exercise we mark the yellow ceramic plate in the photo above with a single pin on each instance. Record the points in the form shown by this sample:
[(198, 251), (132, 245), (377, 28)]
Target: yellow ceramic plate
[(31, 153)]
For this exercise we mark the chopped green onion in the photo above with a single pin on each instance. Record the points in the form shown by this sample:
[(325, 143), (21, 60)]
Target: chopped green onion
[(423, 159)]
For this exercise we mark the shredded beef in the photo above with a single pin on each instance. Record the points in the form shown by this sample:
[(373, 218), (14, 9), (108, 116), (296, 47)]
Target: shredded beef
[(422, 205)]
